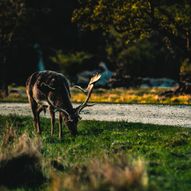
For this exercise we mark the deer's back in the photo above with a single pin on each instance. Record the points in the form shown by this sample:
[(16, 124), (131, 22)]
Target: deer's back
[(37, 86)]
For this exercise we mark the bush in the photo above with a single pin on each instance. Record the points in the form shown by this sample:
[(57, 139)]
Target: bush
[(72, 63)]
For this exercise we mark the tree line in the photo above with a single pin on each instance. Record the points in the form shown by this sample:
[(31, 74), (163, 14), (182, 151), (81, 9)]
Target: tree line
[(134, 37)]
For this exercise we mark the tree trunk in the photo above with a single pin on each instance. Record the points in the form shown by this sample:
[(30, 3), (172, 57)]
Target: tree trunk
[(3, 75)]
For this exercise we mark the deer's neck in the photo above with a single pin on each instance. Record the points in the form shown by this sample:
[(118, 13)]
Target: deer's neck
[(68, 107)]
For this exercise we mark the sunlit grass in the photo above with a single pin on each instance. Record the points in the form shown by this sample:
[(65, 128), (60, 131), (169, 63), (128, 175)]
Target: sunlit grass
[(119, 95), (139, 96)]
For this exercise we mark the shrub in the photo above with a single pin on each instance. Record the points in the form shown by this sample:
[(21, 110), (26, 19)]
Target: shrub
[(72, 63)]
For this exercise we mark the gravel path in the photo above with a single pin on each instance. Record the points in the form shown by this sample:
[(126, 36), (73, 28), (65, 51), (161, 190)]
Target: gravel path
[(153, 114)]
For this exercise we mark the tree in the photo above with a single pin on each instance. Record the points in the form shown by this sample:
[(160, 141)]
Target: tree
[(129, 21), (11, 16)]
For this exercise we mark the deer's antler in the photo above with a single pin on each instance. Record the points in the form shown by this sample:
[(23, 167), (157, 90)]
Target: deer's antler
[(89, 90), (80, 88), (56, 109)]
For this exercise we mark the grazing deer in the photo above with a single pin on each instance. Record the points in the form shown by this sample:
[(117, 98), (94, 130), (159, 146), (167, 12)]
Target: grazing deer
[(48, 89)]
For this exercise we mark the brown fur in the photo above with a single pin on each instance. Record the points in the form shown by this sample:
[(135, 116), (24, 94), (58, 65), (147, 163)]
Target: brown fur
[(51, 90)]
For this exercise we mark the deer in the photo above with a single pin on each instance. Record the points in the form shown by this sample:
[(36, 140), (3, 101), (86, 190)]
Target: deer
[(50, 90)]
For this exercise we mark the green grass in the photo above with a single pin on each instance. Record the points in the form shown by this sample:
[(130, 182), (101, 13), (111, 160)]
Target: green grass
[(166, 150)]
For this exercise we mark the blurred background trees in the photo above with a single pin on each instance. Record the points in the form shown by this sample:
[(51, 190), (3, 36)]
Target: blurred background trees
[(134, 37), (142, 35), (11, 17)]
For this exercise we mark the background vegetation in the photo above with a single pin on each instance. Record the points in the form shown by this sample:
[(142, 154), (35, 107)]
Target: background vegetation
[(136, 38)]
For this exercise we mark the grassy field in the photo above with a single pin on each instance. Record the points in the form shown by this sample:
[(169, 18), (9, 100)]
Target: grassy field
[(119, 95), (104, 156)]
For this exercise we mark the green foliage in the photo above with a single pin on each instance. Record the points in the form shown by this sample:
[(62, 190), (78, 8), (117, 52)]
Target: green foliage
[(138, 58), (185, 67), (138, 18), (72, 63), (11, 16), (126, 23), (165, 149)]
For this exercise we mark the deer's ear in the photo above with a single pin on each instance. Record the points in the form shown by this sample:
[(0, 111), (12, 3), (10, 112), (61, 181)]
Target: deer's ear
[(46, 87)]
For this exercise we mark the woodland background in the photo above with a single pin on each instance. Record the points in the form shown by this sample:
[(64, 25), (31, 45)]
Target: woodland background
[(147, 38)]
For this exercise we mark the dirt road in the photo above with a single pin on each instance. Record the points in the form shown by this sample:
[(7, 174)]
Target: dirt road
[(153, 114)]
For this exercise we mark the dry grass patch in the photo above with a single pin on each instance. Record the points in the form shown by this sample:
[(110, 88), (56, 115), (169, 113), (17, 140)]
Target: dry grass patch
[(145, 96), (117, 95), (20, 161), (104, 174)]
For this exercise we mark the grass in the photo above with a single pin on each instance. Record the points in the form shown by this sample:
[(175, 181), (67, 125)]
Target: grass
[(131, 96), (109, 155), (119, 95)]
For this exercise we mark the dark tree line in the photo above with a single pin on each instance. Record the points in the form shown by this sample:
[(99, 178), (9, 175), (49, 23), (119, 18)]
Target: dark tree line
[(160, 25), (134, 37)]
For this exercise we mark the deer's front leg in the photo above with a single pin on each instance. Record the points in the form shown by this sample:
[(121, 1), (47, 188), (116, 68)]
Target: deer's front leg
[(52, 115), (60, 125), (38, 127), (38, 123), (34, 108)]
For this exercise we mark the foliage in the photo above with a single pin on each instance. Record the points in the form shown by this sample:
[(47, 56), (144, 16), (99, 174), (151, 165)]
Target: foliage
[(128, 35), (185, 67), (71, 64), (12, 13), (19, 21), (126, 23), (139, 59), (16, 16), (136, 18)]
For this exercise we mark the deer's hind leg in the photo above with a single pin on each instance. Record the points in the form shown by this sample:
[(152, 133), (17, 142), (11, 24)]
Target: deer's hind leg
[(60, 125), (36, 114), (38, 126), (52, 115)]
